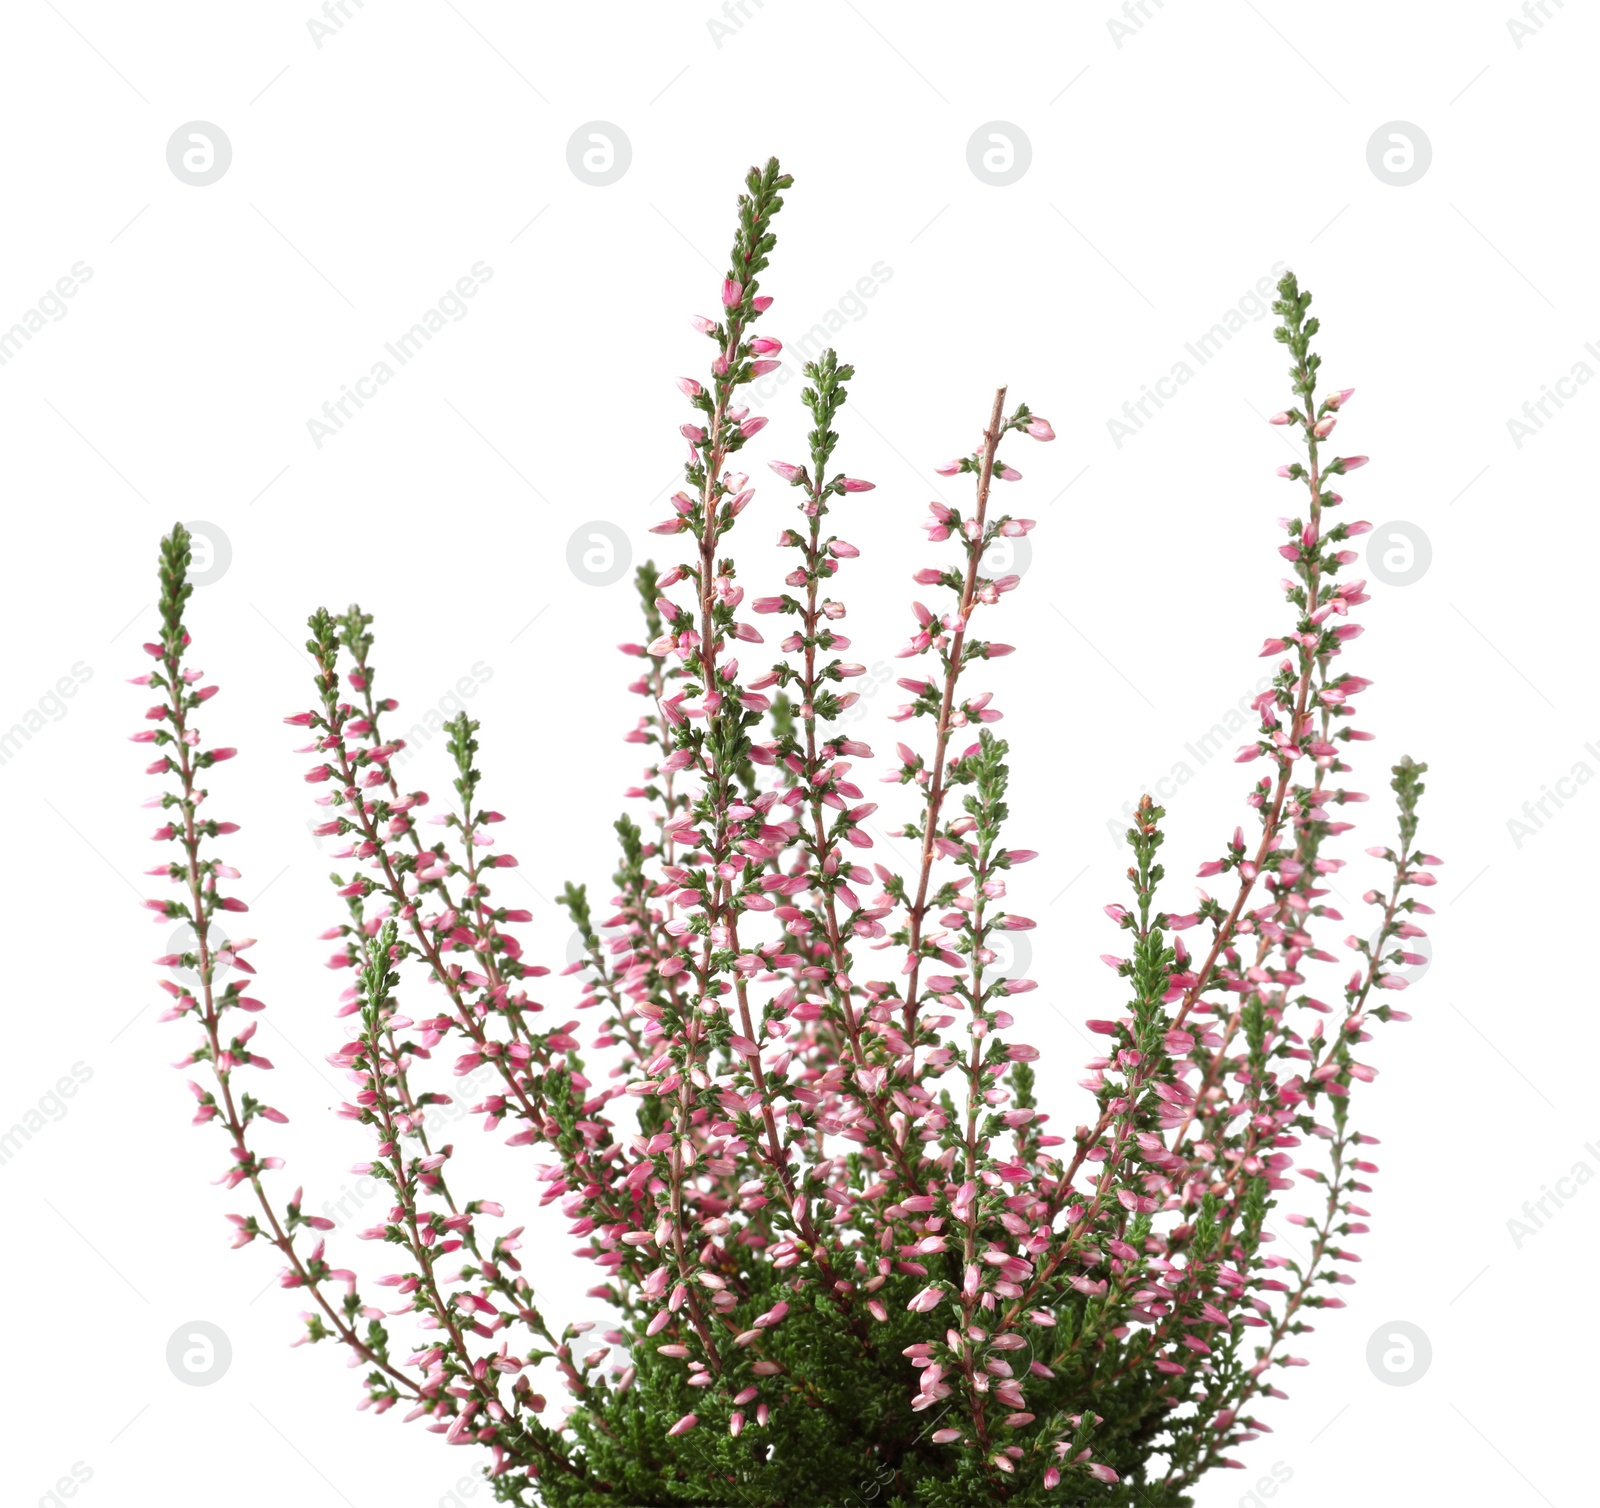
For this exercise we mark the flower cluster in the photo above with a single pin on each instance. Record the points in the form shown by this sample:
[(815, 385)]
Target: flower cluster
[(802, 1144)]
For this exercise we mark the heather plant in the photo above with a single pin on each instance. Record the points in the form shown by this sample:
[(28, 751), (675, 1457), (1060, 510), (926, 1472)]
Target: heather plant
[(802, 1143)]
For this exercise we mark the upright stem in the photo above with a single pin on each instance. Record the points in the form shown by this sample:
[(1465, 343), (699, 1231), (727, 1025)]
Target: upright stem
[(953, 667)]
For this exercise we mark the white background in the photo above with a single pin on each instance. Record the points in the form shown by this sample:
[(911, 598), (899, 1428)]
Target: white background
[(1172, 165)]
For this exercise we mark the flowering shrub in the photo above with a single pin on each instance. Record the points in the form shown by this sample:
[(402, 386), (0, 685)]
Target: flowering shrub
[(849, 1260)]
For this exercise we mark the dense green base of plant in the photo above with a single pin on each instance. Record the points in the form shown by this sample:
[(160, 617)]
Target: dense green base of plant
[(847, 1434)]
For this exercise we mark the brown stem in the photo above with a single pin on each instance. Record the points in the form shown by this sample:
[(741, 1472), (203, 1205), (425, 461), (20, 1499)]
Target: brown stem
[(953, 668), (211, 1019)]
